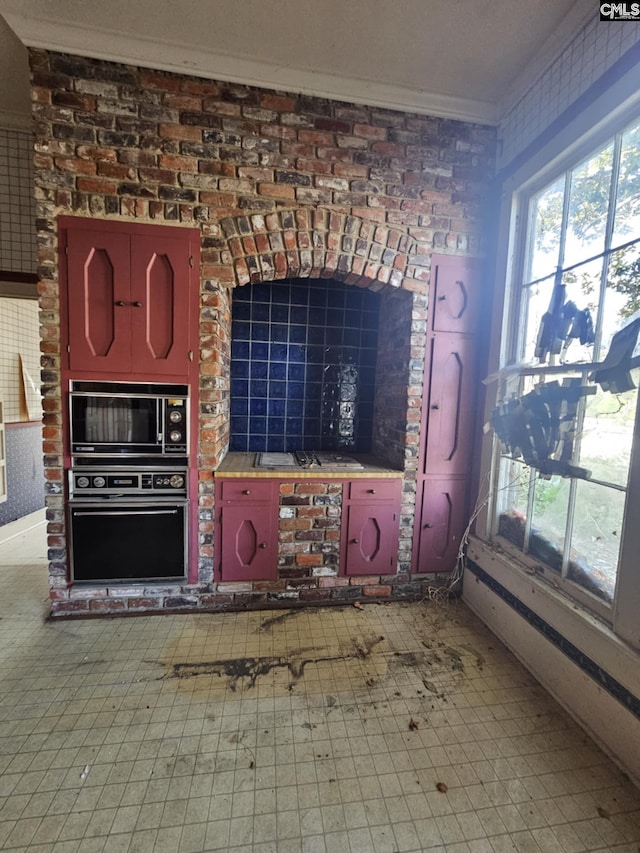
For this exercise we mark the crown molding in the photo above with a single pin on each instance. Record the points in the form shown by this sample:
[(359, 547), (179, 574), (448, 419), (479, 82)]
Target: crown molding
[(165, 55)]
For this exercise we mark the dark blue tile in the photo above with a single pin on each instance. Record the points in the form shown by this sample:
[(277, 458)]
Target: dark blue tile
[(260, 331), (312, 404), (315, 374), (239, 388), (317, 297), (239, 350), (261, 293), (239, 443), (275, 426), (240, 330), (258, 388), (297, 353), (259, 369), (299, 315), (277, 408), (300, 294), (277, 390), (335, 318), (354, 297), (279, 313), (297, 372), (279, 332), (239, 424), (278, 352), (241, 369), (260, 312), (257, 443), (278, 370), (260, 350), (352, 319), (298, 334), (280, 293), (257, 425), (333, 336), (369, 339), (294, 427), (258, 406), (295, 408), (275, 443), (315, 335), (239, 405), (295, 390), (241, 310)]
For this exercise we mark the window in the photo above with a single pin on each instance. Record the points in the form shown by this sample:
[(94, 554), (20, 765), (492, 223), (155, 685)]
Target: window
[(566, 433)]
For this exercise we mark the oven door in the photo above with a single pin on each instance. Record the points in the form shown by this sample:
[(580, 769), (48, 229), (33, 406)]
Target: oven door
[(125, 541)]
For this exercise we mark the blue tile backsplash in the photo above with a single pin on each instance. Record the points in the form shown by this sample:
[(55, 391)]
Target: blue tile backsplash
[(303, 365)]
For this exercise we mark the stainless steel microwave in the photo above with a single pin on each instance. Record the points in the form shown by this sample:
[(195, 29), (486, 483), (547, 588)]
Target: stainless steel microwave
[(117, 419)]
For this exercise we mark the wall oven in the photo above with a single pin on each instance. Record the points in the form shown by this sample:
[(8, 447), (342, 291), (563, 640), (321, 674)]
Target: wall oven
[(112, 420), (128, 525)]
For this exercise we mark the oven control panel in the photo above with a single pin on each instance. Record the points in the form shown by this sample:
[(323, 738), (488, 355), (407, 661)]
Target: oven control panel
[(89, 482)]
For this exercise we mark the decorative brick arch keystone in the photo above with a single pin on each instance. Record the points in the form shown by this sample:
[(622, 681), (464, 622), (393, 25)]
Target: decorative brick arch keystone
[(321, 243)]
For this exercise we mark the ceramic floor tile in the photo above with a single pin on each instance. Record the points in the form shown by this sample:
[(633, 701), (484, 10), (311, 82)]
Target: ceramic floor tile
[(386, 729)]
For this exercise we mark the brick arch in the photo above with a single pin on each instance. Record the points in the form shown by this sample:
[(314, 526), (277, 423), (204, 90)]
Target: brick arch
[(322, 243)]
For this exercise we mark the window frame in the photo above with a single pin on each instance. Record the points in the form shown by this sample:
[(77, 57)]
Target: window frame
[(516, 190)]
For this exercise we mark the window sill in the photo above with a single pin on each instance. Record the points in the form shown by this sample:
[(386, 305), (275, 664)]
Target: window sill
[(581, 626)]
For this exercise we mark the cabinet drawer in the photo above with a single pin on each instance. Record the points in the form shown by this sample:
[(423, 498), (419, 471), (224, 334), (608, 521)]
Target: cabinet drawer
[(374, 490), (246, 491)]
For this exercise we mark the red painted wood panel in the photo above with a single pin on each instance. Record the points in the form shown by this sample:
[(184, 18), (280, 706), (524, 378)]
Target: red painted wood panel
[(249, 543), (451, 404), (160, 303), (98, 292), (455, 304), (442, 523), (372, 539)]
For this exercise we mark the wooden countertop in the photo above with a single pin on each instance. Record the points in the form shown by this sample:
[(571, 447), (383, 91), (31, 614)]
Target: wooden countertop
[(242, 465)]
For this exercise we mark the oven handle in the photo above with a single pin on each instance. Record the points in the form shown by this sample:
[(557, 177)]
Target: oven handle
[(77, 513)]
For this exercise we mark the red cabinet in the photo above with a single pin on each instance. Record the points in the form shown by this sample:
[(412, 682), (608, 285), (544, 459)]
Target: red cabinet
[(442, 522), (449, 414), (370, 527), (129, 297), (248, 525)]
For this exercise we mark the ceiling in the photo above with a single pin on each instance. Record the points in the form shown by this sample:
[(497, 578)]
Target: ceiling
[(461, 59)]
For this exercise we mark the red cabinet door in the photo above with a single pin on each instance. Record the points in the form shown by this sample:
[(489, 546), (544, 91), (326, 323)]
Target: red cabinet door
[(249, 543), (129, 297), (159, 303), (451, 404), (99, 332), (372, 539), (455, 303), (442, 523)]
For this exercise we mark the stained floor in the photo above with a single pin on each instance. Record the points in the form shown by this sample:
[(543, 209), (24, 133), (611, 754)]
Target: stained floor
[(400, 727)]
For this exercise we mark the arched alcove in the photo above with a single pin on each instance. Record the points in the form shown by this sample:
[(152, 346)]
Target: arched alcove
[(321, 243)]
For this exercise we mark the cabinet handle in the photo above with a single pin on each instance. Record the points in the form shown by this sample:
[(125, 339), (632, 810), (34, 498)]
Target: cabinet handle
[(263, 545), (442, 298), (246, 491), (371, 491), (120, 303), (428, 525), (435, 406), (137, 304), (354, 541)]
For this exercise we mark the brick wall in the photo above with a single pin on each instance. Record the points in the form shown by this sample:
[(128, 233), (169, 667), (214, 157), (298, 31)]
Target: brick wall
[(279, 185)]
